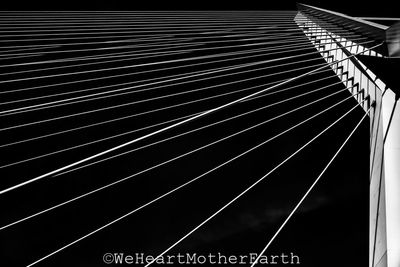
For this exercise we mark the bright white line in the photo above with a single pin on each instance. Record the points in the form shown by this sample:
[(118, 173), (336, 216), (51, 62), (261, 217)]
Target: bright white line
[(248, 188), (180, 156), (100, 49), (119, 54), (49, 46), (116, 92), (289, 39), (159, 63), (309, 190), (139, 27), (171, 61), (229, 93), (139, 32), (300, 40), (108, 55), (179, 187), (130, 103), (108, 36), (249, 112), (42, 106), (121, 118), (169, 127), (377, 18)]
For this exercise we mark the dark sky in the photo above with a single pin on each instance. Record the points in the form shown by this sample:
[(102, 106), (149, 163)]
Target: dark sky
[(355, 8), (333, 221)]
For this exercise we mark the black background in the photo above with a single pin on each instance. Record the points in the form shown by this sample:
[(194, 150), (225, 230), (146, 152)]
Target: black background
[(353, 8), (319, 234)]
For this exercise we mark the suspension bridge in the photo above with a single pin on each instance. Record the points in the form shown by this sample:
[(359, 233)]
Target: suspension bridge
[(161, 131)]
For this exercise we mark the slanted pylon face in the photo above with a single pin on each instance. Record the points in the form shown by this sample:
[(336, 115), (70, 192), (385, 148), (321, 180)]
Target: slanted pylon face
[(377, 75)]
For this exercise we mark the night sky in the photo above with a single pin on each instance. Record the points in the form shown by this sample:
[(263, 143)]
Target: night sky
[(353, 8), (329, 229)]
